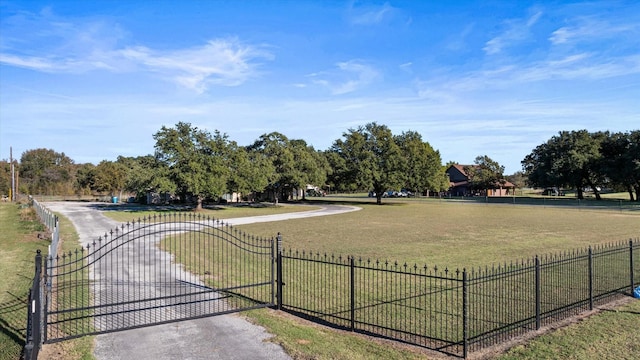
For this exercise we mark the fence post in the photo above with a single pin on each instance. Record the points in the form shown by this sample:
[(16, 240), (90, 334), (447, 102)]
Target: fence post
[(465, 315), (537, 266), (590, 278), (274, 261), (47, 284), (631, 277), (37, 308), (353, 290), (279, 269), (28, 347), (34, 320)]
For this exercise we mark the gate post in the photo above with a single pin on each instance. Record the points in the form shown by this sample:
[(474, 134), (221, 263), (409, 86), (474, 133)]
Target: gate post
[(279, 269), (590, 278), (352, 297), (631, 277), (538, 293), (34, 319), (465, 314)]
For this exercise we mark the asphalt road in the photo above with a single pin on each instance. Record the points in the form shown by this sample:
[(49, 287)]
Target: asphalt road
[(217, 337)]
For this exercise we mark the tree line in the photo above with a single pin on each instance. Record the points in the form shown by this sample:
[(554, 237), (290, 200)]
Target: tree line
[(199, 165), (584, 160)]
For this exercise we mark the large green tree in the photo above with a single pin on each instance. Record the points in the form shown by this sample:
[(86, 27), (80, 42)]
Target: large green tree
[(85, 178), (198, 162), (620, 161), (372, 159), (310, 168), (5, 177), (276, 148), (340, 174), (45, 171), (486, 174), (424, 170), (251, 171), (147, 174), (518, 179), (109, 177), (569, 159)]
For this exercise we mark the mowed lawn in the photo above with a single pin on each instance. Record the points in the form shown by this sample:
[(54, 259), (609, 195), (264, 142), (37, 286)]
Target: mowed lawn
[(459, 235), (18, 245), (453, 235), (19, 240)]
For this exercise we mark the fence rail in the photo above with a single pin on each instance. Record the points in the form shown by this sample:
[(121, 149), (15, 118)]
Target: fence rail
[(50, 220), (453, 311)]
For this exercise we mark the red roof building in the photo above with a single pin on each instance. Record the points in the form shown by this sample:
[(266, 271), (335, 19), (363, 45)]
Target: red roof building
[(460, 184)]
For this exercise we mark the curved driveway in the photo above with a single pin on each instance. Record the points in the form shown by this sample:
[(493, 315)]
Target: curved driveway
[(217, 337)]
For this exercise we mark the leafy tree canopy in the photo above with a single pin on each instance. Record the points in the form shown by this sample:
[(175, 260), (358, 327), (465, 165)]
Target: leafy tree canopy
[(373, 159), (197, 162)]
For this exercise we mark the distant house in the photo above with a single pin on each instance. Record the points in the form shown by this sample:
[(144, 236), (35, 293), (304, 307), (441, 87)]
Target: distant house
[(460, 185)]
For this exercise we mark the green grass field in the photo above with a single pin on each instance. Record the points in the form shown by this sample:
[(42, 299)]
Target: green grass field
[(18, 244), (453, 235), (125, 213), (449, 234)]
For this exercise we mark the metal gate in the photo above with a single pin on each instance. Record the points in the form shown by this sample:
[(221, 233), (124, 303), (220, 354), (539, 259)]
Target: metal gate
[(156, 270)]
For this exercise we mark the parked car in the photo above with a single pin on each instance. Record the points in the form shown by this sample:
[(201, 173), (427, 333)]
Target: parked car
[(553, 191)]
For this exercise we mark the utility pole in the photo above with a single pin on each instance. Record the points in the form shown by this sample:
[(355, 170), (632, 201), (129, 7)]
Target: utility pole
[(12, 196)]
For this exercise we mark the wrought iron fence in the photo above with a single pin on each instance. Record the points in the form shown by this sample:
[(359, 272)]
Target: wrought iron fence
[(34, 314), (156, 270), (453, 311)]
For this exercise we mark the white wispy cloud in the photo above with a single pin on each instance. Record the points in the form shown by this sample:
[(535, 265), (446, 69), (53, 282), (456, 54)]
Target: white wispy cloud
[(347, 77), (458, 41), (590, 29), (226, 62), (80, 46), (517, 30), (577, 67), (369, 15)]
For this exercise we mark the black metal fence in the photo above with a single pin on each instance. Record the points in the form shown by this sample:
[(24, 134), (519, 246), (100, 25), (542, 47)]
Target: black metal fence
[(156, 270), (199, 266), (453, 311), (34, 314)]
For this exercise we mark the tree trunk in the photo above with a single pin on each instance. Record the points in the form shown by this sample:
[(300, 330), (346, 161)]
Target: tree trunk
[(378, 198), (630, 190), (199, 204), (580, 194), (596, 192)]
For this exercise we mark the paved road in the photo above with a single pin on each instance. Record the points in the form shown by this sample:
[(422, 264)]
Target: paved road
[(218, 337)]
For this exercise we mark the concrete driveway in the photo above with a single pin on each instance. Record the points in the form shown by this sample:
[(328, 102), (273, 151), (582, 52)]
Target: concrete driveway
[(217, 337)]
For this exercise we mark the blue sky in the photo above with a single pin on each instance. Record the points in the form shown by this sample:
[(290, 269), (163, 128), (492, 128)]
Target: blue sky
[(96, 79)]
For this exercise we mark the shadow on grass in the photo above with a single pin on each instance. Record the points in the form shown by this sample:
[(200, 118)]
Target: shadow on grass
[(13, 319), (350, 201), (622, 311), (173, 208)]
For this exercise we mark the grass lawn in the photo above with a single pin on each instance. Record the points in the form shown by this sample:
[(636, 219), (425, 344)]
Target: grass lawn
[(18, 244), (466, 235), (453, 235), (447, 234), (126, 212), (612, 334)]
